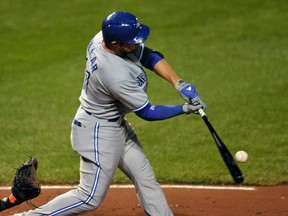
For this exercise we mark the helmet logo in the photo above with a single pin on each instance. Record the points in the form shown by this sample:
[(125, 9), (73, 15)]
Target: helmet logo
[(137, 25)]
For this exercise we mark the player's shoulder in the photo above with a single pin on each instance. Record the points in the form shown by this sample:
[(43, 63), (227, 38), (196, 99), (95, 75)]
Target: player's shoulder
[(98, 36), (113, 69)]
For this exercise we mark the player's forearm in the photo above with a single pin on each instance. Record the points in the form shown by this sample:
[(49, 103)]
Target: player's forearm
[(164, 70), (159, 112)]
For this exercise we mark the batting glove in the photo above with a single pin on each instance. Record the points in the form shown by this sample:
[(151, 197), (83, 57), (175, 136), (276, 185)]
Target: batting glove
[(194, 106), (186, 90)]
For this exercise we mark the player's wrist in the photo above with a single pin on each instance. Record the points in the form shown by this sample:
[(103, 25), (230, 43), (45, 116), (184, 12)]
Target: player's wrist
[(179, 84)]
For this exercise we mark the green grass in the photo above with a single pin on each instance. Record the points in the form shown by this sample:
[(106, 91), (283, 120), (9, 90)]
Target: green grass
[(235, 52)]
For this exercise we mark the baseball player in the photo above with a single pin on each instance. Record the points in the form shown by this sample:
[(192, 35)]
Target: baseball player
[(115, 84)]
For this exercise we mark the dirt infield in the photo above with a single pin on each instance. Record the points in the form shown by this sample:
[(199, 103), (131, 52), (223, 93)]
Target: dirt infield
[(261, 201)]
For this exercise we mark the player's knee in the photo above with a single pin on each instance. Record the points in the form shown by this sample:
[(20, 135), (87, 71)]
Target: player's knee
[(95, 202), (90, 202)]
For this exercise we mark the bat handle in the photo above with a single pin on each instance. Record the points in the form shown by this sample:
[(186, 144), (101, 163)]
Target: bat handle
[(202, 113)]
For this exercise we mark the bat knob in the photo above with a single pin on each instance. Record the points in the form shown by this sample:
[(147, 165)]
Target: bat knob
[(239, 179)]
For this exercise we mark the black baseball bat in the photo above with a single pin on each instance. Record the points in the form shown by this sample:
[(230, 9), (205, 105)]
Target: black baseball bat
[(224, 151)]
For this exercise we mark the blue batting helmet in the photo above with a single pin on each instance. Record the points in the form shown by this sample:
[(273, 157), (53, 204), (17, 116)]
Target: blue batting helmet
[(124, 27)]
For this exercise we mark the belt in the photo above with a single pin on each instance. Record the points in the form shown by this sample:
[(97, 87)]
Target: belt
[(109, 120)]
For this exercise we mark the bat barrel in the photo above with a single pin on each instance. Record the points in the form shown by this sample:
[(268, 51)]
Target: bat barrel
[(224, 151)]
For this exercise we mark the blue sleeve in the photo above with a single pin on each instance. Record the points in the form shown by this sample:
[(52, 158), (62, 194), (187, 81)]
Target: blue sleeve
[(150, 58), (159, 112)]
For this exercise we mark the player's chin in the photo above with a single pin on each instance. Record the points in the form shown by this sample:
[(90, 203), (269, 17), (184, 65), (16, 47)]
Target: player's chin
[(123, 53)]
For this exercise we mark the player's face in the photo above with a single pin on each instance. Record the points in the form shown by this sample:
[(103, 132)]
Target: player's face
[(123, 49)]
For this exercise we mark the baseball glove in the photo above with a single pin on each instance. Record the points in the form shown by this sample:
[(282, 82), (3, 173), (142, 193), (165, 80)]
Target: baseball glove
[(25, 185)]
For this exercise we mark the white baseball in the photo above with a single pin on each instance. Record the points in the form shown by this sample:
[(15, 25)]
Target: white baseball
[(241, 156)]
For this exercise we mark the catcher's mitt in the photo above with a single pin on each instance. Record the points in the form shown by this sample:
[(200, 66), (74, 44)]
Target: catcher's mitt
[(25, 185)]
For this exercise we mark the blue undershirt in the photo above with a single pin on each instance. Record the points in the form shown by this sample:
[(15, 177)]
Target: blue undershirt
[(159, 112), (150, 58)]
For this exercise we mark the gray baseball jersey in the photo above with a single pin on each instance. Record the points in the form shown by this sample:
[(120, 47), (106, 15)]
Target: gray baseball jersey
[(113, 86)]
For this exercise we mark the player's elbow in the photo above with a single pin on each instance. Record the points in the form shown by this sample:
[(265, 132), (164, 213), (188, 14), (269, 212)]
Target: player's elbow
[(144, 116), (144, 113)]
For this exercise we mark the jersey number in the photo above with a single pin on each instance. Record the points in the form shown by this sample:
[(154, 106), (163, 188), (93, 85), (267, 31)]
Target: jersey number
[(86, 80)]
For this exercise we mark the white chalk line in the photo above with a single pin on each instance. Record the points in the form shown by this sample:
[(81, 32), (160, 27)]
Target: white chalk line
[(203, 187)]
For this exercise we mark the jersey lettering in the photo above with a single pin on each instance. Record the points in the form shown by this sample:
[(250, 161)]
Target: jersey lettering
[(141, 79), (93, 64), (92, 56)]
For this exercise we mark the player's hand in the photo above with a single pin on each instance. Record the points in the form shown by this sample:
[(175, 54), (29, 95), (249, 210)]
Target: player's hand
[(194, 106), (186, 90), (197, 101)]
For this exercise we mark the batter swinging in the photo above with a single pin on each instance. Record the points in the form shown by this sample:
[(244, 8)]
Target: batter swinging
[(114, 85)]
